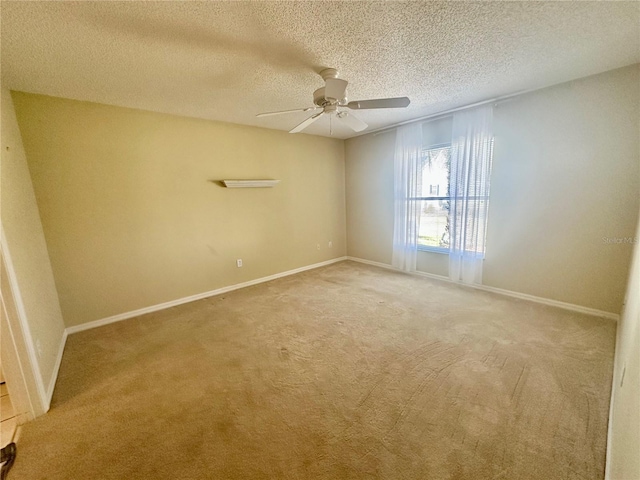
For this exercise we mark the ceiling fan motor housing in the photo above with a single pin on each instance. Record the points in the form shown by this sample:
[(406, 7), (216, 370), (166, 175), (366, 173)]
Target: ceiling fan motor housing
[(320, 100)]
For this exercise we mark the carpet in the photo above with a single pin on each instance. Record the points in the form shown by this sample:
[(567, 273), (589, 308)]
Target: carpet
[(344, 372)]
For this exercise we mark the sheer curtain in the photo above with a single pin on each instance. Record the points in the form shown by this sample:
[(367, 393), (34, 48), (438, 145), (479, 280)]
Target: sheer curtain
[(471, 152), (407, 186)]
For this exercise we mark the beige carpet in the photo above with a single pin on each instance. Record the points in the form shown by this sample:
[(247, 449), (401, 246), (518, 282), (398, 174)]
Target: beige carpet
[(344, 372)]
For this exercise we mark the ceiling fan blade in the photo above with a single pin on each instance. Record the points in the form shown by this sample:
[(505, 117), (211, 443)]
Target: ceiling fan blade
[(398, 102), (307, 122), (268, 114), (352, 122), (335, 88)]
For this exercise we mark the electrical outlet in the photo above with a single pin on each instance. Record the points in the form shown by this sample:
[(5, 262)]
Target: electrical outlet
[(239, 262), (330, 244)]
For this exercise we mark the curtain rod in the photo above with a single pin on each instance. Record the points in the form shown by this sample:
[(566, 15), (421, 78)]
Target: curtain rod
[(444, 113)]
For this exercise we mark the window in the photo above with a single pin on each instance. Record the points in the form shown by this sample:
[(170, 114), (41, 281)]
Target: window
[(441, 193), (435, 202), (433, 233)]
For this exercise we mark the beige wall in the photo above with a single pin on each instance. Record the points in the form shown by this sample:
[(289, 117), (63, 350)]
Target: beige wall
[(27, 248), (565, 176), (623, 460), (131, 215), (369, 194)]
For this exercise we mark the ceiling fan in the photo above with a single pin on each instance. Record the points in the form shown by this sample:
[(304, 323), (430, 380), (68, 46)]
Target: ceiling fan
[(332, 99)]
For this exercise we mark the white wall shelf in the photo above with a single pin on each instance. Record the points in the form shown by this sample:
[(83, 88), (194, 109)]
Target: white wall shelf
[(250, 183)]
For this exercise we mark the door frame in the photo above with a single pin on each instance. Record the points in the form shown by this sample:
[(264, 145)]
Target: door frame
[(17, 351)]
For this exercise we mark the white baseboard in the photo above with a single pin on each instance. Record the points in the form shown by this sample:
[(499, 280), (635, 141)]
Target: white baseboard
[(389, 267), (56, 369), (192, 298), (548, 301), (508, 293)]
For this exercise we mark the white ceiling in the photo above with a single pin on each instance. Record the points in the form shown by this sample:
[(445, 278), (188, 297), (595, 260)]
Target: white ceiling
[(231, 60)]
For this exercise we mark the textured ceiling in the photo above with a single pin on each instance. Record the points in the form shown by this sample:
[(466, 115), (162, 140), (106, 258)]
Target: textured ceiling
[(231, 60)]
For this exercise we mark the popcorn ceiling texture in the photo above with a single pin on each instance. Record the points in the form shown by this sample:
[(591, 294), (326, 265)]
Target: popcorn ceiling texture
[(229, 61)]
